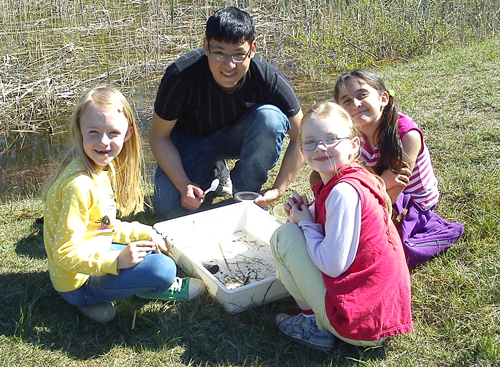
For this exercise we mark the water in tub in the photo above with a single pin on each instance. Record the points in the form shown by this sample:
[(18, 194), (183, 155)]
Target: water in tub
[(234, 260)]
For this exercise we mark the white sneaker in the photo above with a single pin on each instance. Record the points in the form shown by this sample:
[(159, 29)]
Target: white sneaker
[(226, 188), (225, 184), (102, 313), (304, 331)]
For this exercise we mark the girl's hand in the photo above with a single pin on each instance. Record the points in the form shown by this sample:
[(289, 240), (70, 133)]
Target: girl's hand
[(293, 200), (134, 253), (299, 213), (403, 175), (396, 181), (160, 243), (297, 199), (296, 208), (400, 177)]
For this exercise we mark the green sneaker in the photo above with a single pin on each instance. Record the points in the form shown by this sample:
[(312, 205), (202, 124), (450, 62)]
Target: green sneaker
[(182, 289)]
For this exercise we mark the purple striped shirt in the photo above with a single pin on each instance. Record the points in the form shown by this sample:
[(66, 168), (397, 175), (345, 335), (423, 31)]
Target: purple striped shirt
[(423, 185)]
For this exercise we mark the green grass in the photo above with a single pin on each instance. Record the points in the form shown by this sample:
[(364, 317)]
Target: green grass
[(454, 97)]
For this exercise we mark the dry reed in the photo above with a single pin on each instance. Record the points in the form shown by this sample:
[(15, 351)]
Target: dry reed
[(53, 50)]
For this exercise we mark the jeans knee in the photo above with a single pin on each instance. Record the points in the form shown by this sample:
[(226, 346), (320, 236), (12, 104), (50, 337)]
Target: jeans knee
[(162, 268), (271, 119), (264, 136)]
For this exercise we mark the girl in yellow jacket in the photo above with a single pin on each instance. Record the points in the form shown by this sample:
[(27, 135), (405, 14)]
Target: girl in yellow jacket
[(93, 257)]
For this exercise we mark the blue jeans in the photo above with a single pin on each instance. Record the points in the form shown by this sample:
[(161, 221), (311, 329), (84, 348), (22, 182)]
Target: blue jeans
[(154, 275), (256, 140)]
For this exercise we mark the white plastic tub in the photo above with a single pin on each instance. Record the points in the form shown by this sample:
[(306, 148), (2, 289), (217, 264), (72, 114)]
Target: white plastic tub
[(237, 236)]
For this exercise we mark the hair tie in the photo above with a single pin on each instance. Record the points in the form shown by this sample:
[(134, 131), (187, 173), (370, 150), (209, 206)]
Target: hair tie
[(390, 92)]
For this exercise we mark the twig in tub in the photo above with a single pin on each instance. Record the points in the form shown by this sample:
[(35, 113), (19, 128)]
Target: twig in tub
[(246, 278), (224, 257)]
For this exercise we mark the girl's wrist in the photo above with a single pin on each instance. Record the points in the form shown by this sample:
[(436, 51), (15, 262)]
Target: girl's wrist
[(155, 236)]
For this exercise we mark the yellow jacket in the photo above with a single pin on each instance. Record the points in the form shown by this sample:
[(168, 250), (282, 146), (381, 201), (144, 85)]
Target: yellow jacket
[(80, 225)]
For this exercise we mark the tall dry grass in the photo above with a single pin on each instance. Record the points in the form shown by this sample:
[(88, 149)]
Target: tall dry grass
[(53, 50)]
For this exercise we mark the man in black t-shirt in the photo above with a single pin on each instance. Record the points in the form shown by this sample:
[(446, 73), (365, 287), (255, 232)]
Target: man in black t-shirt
[(222, 102)]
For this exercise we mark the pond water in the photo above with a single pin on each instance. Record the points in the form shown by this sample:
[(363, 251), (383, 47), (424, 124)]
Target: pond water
[(27, 158), (129, 46), (25, 161)]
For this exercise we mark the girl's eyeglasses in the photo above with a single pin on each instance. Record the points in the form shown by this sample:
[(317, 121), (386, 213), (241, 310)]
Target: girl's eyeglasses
[(237, 59), (327, 142)]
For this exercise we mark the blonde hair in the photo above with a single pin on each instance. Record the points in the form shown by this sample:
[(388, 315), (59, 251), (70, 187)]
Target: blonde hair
[(335, 112), (129, 194)]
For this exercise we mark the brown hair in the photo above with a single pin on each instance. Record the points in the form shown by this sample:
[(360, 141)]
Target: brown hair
[(387, 136)]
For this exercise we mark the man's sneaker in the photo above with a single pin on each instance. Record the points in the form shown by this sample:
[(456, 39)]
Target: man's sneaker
[(182, 289), (222, 173), (102, 313), (304, 330), (225, 188)]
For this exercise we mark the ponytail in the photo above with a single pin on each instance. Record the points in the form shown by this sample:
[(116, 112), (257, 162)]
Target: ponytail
[(388, 139)]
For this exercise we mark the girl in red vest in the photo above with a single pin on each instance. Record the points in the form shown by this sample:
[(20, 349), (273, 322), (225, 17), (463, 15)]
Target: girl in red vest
[(341, 258)]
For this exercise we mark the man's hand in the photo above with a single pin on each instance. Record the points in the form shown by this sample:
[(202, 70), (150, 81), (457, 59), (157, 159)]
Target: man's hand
[(268, 196), (192, 197)]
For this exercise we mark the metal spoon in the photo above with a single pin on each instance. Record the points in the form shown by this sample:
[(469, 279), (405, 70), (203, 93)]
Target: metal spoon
[(213, 186)]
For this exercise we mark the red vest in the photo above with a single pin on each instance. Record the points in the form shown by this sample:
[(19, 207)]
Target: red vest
[(372, 299)]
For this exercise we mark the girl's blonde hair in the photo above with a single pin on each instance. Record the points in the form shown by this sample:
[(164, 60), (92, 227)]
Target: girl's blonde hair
[(329, 109), (332, 110), (129, 195)]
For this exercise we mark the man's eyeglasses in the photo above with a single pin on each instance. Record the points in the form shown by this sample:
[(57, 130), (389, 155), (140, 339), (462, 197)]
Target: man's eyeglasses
[(237, 59), (327, 142)]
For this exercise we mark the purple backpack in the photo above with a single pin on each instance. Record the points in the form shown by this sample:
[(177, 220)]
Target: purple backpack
[(424, 233)]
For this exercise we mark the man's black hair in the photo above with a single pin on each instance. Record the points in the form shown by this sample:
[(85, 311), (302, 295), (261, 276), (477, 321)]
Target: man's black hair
[(230, 25)]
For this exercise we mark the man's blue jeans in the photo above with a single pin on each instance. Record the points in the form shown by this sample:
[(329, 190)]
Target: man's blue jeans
[(256, 140), (154, 275)]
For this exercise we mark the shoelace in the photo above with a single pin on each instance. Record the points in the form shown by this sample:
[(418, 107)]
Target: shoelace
[(176, 285)]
